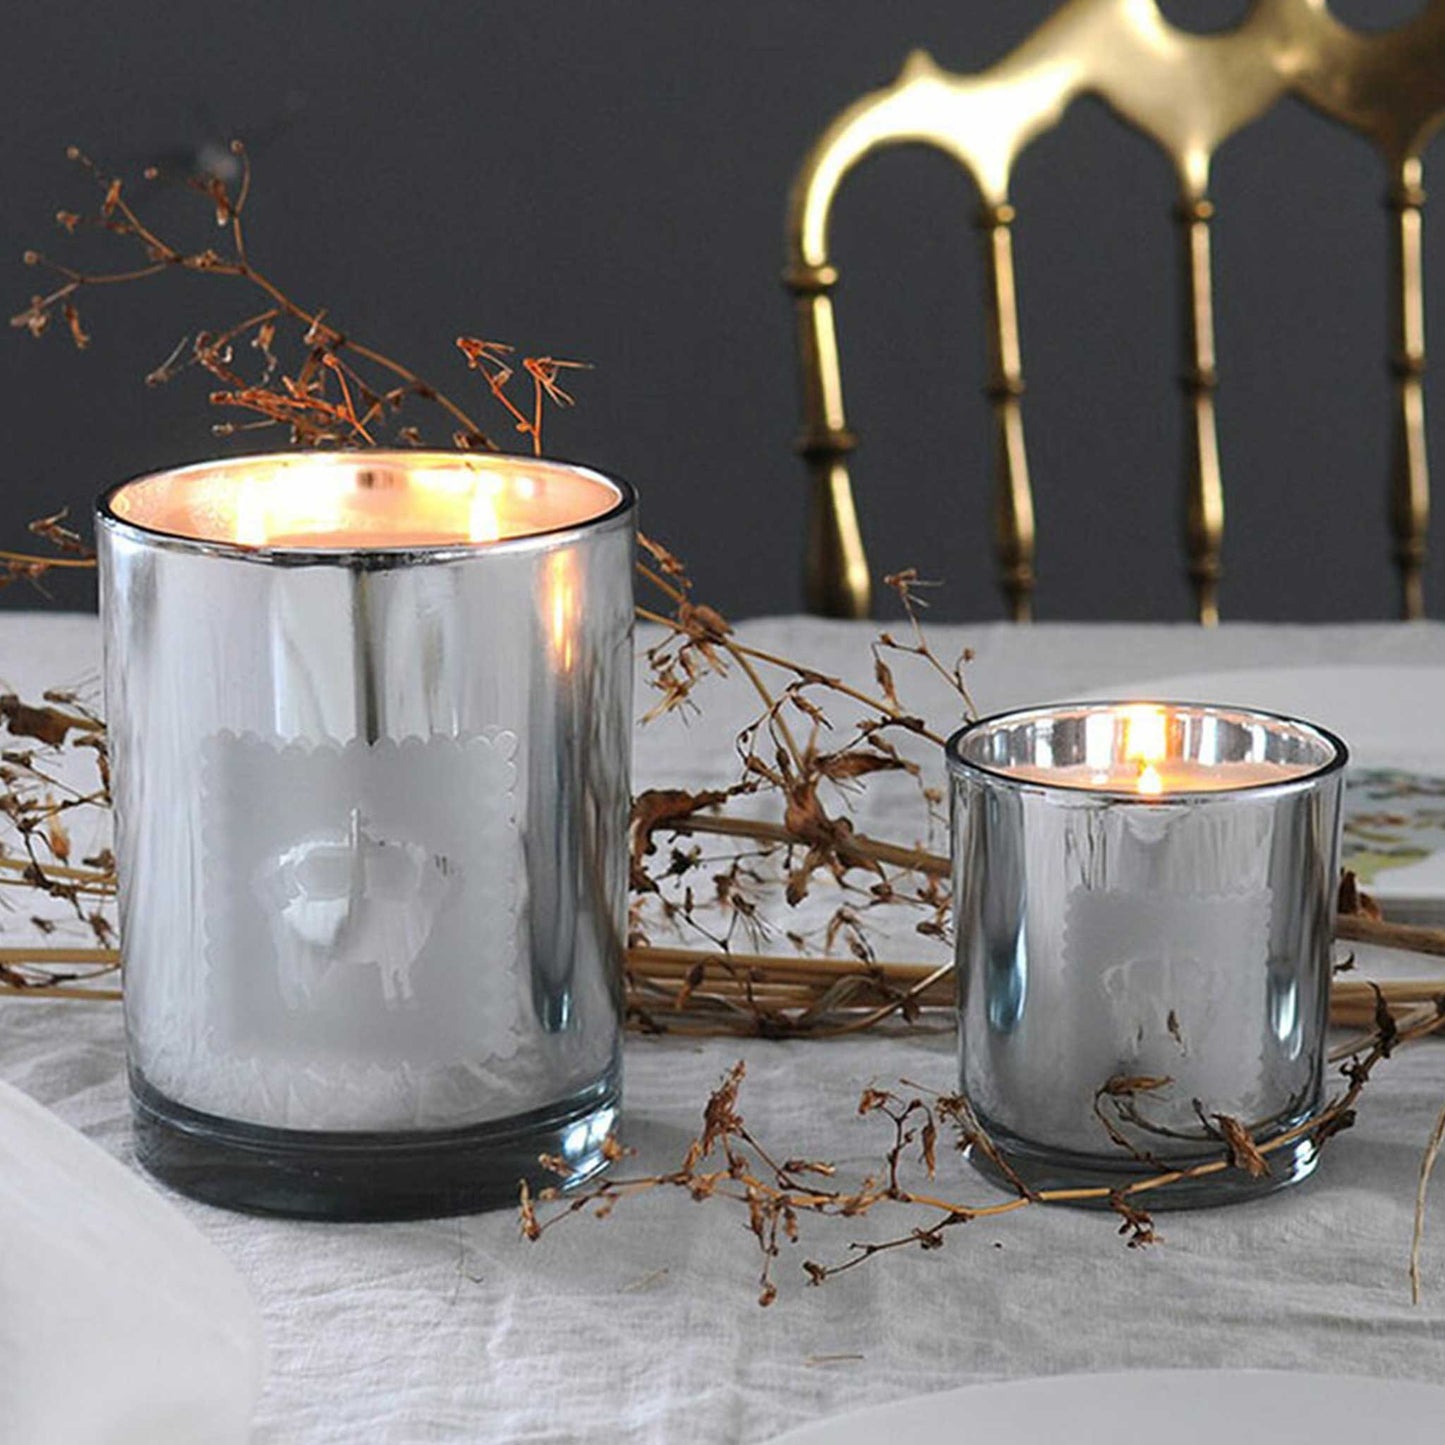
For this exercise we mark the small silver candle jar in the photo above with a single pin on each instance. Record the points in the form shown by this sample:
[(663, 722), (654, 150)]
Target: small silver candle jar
[(370, 727), (1144, 903)]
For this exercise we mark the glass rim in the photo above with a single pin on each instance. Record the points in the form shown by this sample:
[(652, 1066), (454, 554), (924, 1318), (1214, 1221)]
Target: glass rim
[(960, 766), (369, 558)]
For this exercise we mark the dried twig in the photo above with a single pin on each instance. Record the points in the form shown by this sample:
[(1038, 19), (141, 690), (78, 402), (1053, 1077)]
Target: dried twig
[(727, 1162), (1359, 928), (340, 391), (1417, 1234)]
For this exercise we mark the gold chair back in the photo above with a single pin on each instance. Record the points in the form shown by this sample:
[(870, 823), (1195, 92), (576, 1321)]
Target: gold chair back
[(1189, 93)]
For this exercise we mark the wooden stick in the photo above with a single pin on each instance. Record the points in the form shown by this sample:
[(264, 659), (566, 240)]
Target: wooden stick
[(1412, 990), (61, 990), (735, 989), (59, 870), (777, 965), (1357, 928), (45, 955)]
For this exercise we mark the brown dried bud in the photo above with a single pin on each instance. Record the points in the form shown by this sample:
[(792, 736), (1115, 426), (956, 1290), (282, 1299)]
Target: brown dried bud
[(1243, 1151), (1354, 900), (527, 1215), (78, 333)]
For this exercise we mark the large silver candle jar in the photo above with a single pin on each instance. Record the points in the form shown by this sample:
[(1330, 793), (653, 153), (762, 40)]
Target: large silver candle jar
[(1144, 900), (370, 726)]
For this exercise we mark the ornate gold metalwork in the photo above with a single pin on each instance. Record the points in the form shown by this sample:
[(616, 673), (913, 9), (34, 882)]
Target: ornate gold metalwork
[(1189, 93)]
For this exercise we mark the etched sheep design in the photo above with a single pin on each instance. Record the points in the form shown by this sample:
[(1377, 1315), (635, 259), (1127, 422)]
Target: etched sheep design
[(351, 901)]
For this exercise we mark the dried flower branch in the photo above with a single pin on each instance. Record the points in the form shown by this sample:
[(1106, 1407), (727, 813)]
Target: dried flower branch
[(782, 758), (488, 357), (71, 551), (341, 391), (726, 1161)]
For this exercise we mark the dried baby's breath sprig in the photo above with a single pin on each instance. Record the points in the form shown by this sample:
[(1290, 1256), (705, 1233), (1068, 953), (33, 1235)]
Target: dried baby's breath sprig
[(727, 1161), (906, 585), (339, 391), (489, 358), (788, 756)]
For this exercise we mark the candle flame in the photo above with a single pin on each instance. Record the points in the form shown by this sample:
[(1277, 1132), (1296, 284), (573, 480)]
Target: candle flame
[(483, 523), (1144, 733), (1146, 743)]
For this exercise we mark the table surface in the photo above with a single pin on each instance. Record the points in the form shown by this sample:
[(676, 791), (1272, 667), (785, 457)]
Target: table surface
[(646, 1327)]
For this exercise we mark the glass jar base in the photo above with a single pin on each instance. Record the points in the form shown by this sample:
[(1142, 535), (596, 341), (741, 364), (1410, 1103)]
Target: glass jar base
[(423, 1174), (1041, 1168)]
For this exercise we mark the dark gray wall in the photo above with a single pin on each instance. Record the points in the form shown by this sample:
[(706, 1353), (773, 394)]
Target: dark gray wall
[(607, 181)]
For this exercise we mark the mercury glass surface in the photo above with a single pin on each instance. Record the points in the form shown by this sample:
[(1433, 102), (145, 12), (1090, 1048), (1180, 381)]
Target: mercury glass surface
[(1179, 941), (371, 806)]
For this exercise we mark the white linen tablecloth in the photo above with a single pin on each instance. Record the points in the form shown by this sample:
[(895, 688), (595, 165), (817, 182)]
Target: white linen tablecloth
[(645, 1326)]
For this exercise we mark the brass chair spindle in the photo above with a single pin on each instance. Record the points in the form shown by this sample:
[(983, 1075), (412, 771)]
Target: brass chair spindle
[(836, 581), (1013, 497), (1204, 486), (1409, 466)]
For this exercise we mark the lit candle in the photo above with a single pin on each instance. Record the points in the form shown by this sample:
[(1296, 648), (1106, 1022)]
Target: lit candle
[(1143, 898), (346, 501), (360, 704), (1136, 750)]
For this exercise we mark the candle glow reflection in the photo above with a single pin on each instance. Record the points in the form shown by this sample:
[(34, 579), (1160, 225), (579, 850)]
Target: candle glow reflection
[(1150, 750), (363, 501)]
